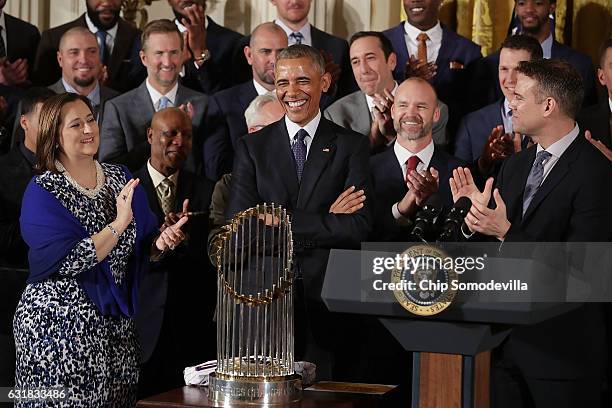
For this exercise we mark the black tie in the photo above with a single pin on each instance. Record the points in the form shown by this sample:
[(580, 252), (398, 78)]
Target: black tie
[(299, 152)]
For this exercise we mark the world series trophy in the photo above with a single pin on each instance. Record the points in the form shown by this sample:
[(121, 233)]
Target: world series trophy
[(255, 315)]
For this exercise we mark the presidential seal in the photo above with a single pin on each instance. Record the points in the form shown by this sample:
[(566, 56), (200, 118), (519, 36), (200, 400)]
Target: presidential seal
[(423, 282)]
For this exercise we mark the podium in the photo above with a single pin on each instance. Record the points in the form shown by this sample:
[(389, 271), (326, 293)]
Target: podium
[(451, 350)]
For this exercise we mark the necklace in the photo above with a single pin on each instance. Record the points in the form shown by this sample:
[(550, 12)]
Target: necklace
[(88, 192)]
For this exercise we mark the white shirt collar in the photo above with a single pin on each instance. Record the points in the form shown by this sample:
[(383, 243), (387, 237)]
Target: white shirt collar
[(182, 28), (156, 96), (260, 89), (93, 96), (311, 127), (305, 31), (561, 145), (112, 32), (404, 154), (547, 46), (370, 100), (157, 177), (434, 33)]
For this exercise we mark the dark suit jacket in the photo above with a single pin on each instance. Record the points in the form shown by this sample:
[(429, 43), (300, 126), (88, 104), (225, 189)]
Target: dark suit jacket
[(106, 93), (123, 132), (597, 120), (125, 71), (22, 40), (15, 174), (182, 283), (216, 73), (571, 205), (264, 171), (390, 187), (475, 129)]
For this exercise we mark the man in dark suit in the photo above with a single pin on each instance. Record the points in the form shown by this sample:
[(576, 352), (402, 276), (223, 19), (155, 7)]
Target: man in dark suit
[(555, 191), (211, 46), (304, 162), (127, 117), (16, 171), (18, 43), (598, 119), (485, 137), (373, 61), (406, 174), (182, 284), (119, 43), (79, 59), (225, 120)]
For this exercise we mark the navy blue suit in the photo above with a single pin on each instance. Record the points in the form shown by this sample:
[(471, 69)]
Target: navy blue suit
[(475, 129), (390, 187)]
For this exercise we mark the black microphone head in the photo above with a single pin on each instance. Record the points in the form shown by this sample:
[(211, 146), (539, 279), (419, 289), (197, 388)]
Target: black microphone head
[(463, 203), (426, 217), (434, 200)]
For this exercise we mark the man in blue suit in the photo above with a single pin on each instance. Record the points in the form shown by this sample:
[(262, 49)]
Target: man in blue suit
[(485, 135), (446, 52)]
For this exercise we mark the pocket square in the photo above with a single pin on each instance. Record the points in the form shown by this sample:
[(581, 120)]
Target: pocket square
[(456, 65)]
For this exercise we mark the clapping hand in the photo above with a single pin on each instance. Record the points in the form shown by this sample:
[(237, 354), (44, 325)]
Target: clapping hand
[(416, 68), (599, 145)]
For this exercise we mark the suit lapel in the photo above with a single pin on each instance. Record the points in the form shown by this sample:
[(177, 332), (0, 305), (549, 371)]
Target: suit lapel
[(147, 183), (364, 117), (444, 55), (145, 105), (247, 94), (183, 191), (120, 48), (283, 159), (322, 149)]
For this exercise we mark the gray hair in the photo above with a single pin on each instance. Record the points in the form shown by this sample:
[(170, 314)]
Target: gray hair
[(296, 51), (252, 112)]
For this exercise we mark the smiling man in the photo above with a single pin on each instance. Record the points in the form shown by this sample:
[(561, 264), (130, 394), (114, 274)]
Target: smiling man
[(304, 162), (117, 39), (127, 117)]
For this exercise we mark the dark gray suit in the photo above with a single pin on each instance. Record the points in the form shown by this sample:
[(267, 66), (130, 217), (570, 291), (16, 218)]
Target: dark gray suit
[(105, 94), (123, 132), (352, 112)]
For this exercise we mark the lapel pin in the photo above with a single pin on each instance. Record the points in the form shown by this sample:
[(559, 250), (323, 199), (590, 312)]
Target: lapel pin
[(326, 150)]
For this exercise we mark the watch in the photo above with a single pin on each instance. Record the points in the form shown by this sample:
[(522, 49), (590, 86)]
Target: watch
[(205, 56)]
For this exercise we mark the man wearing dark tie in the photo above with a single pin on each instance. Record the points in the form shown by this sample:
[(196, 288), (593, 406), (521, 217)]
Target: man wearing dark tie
[(304, 162), (555, 191)]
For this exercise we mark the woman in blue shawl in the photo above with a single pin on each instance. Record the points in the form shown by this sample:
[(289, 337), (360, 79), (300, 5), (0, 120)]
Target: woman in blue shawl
[(91, 235)]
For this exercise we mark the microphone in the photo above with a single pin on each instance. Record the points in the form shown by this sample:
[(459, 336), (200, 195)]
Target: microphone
[(454, 219), (426, 217)]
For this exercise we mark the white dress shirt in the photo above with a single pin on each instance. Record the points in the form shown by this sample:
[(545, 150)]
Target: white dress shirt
[(547, 46), (157, 177), (156, 96), (557, 149), (305, 31), (311, 128), (111, 34), (370, 100), (259, 88), (433, 43), (507, 117)]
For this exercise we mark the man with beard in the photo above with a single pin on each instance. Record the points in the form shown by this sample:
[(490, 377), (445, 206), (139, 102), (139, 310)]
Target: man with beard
[(304, 162), (79, 59), (211, 47), (225, 120), (182, 281), (118, 40), (406, 174), (127, 117)]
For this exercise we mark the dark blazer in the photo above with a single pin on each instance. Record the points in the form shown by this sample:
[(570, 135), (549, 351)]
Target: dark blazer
[(571, 205), (182, 283), (22, 40), (106, 93), (475, 129), (454, 48), (123, 132), (125, 70), (216, 73), (390, 187), (597, 119)]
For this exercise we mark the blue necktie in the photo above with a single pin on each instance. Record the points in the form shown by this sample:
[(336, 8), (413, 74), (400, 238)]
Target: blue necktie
[(101, 36), (535, 178), (163, 103), (299, 152), (297, 37)]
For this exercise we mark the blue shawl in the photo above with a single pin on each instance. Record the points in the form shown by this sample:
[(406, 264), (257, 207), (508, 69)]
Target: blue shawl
[(52, 231)]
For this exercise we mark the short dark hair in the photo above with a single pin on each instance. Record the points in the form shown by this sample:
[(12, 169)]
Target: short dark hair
[(385, 44), (50, 129), (525, 43), (162, 26), (557, 79), (33, 97), (296, 51), (602, 51)]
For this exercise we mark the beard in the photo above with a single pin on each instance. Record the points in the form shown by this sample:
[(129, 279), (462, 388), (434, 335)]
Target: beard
[(94, 16), (534, 30), (426, 128), (84, 82), (266, 78)]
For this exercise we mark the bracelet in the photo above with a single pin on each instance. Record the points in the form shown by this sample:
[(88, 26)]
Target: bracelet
[(113, 230)]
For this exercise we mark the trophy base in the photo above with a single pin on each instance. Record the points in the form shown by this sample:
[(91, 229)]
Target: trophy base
[(280, 390)]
